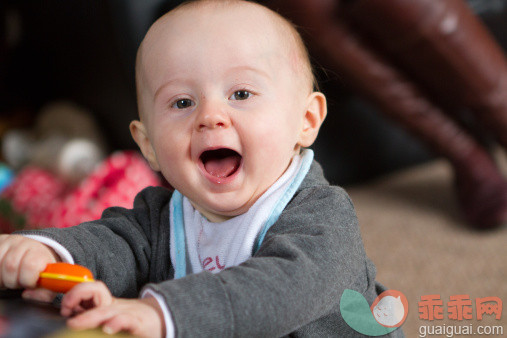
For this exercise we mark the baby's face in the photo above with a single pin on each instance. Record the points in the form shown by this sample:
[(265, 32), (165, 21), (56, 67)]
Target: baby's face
[(223, 108)]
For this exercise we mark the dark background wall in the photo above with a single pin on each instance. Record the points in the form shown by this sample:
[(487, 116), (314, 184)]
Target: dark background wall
[(84, 51)]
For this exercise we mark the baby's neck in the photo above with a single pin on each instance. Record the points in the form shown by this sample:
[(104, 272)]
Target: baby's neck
[(211, 217)]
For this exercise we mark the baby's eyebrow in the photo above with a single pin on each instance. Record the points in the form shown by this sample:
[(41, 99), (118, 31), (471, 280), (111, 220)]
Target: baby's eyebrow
[(235, 69), (253, 69), (165, 85)]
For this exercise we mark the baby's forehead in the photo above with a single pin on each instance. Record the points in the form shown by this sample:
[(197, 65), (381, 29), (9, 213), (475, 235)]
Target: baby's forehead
[(221, 21), (209, 16)]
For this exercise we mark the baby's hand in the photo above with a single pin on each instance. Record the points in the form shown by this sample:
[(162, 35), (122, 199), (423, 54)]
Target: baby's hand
[(94, 306), (21, 261)]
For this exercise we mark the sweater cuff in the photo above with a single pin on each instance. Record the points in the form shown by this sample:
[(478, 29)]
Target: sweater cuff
[(64, 254), (198, 304), (169, 325)]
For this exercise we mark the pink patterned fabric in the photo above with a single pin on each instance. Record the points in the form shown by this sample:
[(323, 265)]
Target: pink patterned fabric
[(38, 199)]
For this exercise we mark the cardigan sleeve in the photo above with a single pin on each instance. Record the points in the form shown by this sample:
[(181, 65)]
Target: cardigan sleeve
[(308, 257), (119, 247)]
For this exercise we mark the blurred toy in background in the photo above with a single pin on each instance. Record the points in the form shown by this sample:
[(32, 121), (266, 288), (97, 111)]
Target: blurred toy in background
[(65, 140), (6, 176), (62, 175)]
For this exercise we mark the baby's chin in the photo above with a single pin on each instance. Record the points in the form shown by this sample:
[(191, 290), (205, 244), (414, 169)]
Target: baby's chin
[(219, 211)]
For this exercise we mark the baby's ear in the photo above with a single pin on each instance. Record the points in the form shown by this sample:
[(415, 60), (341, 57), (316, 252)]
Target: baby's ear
[(316, 111), (140, 135)]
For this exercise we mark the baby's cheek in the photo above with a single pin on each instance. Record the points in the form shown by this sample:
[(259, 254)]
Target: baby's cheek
[(278, 133), (170, 161), (171, 143), (270, 148)]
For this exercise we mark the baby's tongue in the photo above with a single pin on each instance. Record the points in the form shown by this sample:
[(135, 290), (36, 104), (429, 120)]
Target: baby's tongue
[(222, 167)]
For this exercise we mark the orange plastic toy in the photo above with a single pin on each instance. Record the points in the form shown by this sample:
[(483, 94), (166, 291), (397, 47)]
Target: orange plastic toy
[(61, 277)]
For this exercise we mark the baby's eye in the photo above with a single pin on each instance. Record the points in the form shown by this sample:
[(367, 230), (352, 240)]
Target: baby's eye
[(182, 104), (240, 95)]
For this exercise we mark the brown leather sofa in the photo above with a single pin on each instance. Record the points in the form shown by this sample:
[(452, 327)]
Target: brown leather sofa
[(431, 66)]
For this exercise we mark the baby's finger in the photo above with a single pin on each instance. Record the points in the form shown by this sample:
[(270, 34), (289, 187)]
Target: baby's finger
[(95, 293), (4, 249), (41, 295), (121, 322), (10, 268), (90, 319), (30, 268), (4, 245)]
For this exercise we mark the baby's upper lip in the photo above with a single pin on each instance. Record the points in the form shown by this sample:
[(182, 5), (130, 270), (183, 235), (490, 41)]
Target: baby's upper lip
[(211, 148)]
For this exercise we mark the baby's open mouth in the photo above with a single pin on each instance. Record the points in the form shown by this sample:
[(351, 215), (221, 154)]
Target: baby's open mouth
[(221, 162)]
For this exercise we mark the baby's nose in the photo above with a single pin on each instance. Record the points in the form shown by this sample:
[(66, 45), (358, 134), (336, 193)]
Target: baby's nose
[(212, 118)]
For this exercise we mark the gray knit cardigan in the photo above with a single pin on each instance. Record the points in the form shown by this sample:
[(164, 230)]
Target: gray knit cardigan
[(291, 286)]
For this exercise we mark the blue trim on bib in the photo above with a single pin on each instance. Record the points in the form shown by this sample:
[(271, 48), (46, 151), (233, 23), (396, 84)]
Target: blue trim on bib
[(180, 270), (307, 160)]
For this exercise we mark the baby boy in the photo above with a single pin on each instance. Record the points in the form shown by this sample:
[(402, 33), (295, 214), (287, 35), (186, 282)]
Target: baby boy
[(253, 241)]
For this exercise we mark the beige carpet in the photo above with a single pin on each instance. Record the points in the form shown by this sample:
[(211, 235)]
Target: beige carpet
[(413, 232)]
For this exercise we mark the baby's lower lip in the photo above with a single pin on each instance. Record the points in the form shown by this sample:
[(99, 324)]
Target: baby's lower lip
[(220, 180)]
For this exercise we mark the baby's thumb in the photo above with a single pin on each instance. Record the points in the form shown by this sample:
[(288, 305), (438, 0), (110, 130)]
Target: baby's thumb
[(41, 295)]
